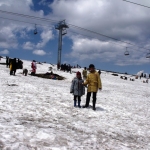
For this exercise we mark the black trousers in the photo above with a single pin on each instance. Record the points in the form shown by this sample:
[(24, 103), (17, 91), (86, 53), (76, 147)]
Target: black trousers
[(88, 99), (75, 100), (79, 98), (14, 71), (11, 72)]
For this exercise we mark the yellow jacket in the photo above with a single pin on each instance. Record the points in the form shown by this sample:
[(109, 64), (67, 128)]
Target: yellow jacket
[(10, 66), (93, 81)]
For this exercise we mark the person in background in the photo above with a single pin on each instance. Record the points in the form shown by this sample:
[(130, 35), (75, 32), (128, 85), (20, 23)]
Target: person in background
[(58, 66), (84, 73), (94, 83), (33, 66), (77, 89), (19, 64), (7, 61), (99, 72), (25, 72), (69, 68)]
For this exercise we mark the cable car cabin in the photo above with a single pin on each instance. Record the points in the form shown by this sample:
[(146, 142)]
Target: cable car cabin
[(35, 31), (148, 55), (126, 53)]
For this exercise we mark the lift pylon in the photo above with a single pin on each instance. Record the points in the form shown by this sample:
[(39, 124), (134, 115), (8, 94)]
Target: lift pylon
[(61, 26)]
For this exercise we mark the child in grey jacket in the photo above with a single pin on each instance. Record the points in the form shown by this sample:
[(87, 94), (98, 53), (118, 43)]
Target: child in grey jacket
[(77, 89)]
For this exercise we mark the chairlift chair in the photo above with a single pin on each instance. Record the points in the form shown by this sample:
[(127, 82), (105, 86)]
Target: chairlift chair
[(35, 30), (148, 55), (126, 53)]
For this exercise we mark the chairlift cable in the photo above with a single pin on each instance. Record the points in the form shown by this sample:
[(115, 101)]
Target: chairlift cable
[(74, 26), (80, 28), (28, 16), (102, 40), (52, 26), (136, 4), (99, 39), (25, 22)]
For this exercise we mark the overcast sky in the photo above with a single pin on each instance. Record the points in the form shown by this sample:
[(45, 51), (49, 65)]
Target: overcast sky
[(115, 18)]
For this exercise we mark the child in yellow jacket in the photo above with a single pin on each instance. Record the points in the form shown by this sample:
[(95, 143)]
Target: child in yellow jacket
[(94, 83)]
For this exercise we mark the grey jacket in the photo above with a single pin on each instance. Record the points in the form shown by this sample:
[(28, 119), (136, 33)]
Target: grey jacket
[(77, 87)]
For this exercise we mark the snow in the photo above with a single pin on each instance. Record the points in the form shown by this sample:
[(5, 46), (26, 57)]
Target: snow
[(38, 114)]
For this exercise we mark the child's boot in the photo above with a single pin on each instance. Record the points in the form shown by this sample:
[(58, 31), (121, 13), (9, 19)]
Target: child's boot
[(79, 101), (75, 103)]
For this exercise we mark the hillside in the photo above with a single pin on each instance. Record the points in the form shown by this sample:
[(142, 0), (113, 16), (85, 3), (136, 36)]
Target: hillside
[(38, 114)]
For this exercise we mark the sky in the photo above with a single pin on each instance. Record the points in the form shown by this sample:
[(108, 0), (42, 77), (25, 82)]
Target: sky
[(126, 22)]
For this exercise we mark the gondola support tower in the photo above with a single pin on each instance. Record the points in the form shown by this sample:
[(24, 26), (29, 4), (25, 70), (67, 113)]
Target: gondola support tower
[(61, 26)]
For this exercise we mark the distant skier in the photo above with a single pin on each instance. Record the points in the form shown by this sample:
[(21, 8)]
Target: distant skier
[(77, 89), (94, 83), (33, 66), (84, 73)]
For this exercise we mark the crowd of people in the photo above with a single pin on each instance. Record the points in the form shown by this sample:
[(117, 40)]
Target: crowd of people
[(65, 67), (14, 64)]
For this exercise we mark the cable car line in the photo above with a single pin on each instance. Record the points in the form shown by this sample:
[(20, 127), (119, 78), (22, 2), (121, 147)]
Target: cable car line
[(80, 28), (73, 26), (96, 38), (68, 30), (28, 16), (137, 4), (25, 21), (119, 44)]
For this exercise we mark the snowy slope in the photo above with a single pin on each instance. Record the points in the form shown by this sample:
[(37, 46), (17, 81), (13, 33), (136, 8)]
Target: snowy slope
[(38, 114)]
